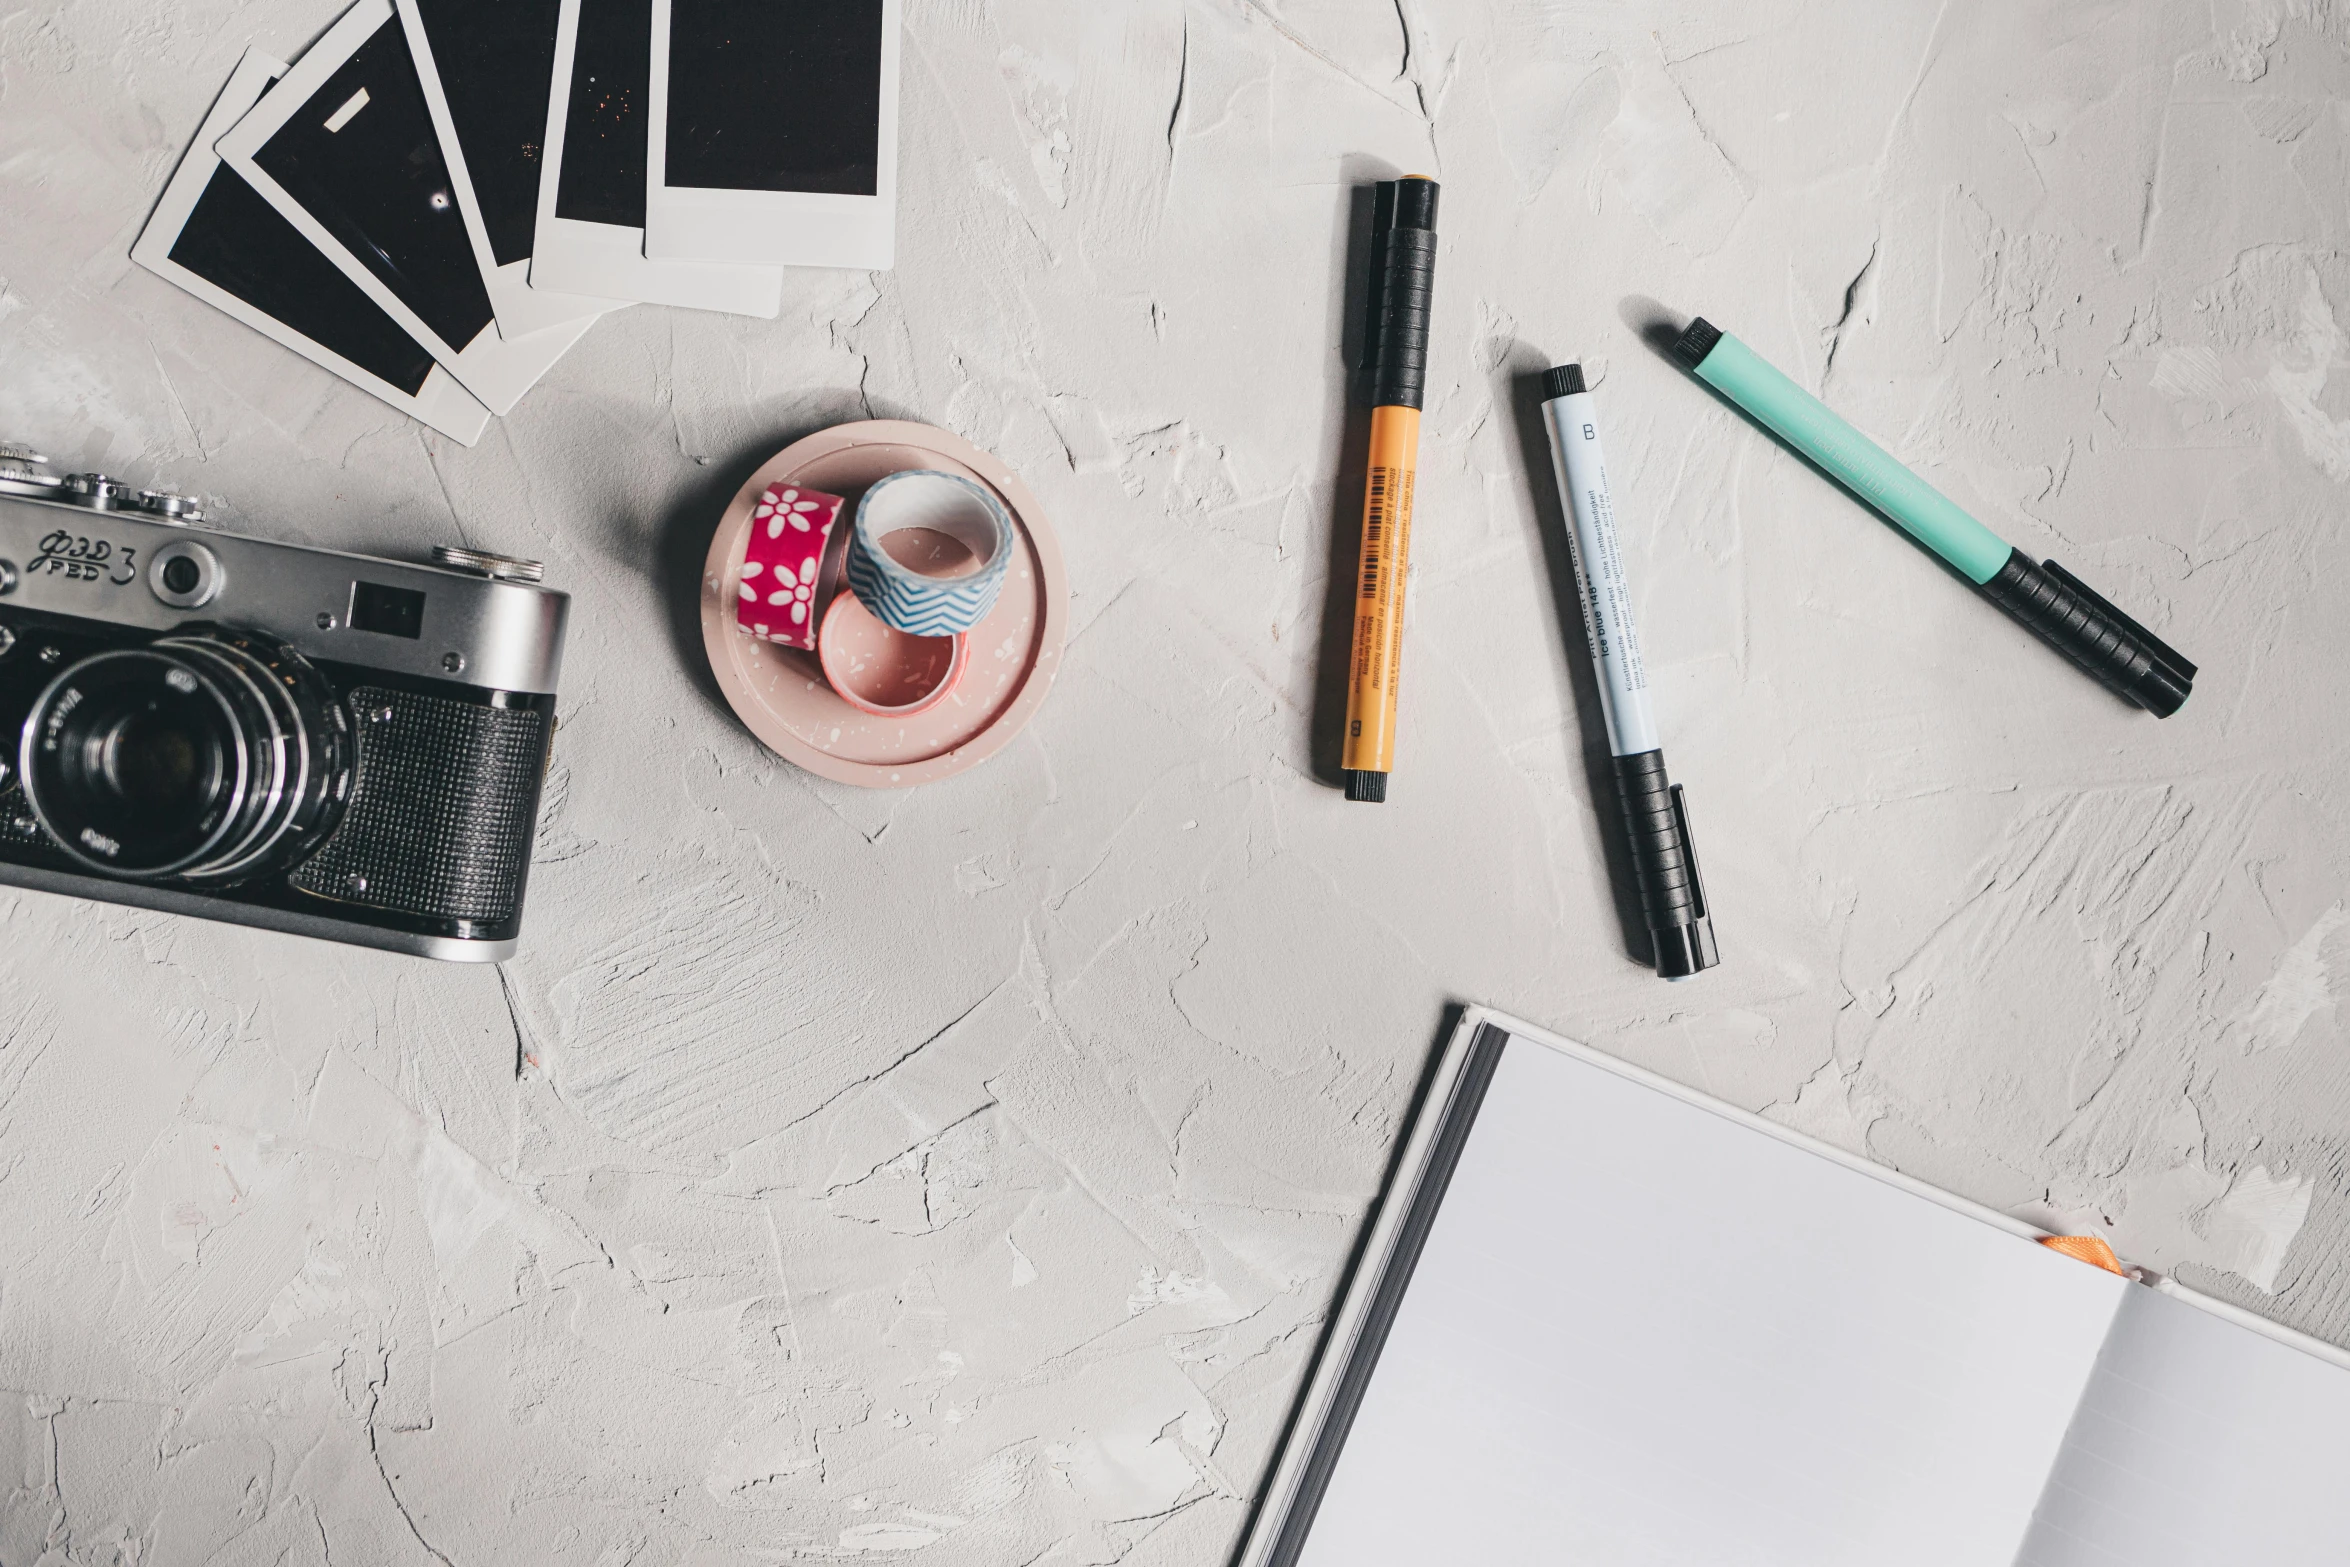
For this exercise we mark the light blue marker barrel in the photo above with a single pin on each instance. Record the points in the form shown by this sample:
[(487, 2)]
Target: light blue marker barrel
[(1851, 458)]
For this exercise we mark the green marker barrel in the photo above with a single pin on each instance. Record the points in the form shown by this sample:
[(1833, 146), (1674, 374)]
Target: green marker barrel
[(2047, 600)]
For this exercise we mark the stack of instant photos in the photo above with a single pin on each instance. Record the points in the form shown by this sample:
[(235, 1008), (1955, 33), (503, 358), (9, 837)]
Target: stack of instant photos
[(398, 207)]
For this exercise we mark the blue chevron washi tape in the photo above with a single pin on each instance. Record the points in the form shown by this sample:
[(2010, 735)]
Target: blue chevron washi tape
[(906, 597)]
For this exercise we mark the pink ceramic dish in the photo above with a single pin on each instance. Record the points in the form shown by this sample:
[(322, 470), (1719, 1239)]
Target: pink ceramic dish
[(1011, 656)]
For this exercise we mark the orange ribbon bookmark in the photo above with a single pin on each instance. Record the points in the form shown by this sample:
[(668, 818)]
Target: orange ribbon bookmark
[(2090, 1249)]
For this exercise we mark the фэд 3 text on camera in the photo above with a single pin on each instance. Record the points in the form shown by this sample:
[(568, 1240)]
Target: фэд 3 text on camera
[(267, 734)]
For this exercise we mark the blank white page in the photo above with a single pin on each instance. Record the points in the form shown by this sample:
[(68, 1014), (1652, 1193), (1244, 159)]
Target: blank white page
[(2200, 1442), (1643, 1332)]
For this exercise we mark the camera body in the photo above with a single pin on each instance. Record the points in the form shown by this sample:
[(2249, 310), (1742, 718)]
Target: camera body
[(297, 739)]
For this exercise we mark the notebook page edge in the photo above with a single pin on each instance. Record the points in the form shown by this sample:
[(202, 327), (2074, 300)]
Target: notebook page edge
[(1340, 1339), (2228, 1310)]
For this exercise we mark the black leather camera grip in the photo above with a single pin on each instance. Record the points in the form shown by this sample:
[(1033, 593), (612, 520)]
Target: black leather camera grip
[(441, 824)]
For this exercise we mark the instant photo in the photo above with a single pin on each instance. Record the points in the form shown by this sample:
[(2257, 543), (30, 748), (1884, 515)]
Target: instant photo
[(344, 148), (591, 225), (730, 130), (215, 237), (604, 139), (486, 68), (805, 176)]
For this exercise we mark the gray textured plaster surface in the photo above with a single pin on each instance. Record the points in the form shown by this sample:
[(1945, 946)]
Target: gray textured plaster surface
[(960, 1175)]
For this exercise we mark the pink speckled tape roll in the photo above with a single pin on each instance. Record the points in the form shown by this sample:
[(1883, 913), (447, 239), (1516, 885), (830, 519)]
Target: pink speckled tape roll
[(785, 584)]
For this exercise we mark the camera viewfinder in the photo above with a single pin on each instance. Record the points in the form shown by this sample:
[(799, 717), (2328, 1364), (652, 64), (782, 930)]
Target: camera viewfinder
[(390, 612)]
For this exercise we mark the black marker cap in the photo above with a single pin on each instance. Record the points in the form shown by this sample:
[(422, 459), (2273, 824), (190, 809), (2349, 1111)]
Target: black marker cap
[(1695, 342), (1369, 787), (1403, 282), (1664, 863), (1410, 202), (2088, 628), (1562, 381)]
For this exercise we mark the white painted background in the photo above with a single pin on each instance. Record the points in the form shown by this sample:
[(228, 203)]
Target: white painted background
[(960, 1175)]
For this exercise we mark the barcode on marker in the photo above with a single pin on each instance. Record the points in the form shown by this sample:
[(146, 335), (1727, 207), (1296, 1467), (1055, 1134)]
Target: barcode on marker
[(1374, 532)]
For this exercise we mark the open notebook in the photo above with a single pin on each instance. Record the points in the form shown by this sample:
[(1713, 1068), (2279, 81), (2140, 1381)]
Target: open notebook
[(1645, 1328)]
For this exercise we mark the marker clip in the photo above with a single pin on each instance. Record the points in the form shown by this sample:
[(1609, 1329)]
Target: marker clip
[(1664, 864), (1687, 948)]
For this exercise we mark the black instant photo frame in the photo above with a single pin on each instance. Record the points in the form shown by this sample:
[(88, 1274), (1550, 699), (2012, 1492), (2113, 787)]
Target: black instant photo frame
[(214, 236), (773, 132), (344, 148), (590, 237), (486, 67)]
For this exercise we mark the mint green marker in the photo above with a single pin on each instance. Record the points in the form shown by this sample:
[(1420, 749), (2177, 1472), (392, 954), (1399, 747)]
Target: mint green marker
[(2046, 599)]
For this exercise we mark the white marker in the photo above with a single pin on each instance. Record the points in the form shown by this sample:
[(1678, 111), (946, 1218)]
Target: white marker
[(1664, 856)]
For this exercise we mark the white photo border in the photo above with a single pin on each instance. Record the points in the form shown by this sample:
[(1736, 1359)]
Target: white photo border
[(608, 259), (520, 309), (494, 369), (441, 403), (787, 228)]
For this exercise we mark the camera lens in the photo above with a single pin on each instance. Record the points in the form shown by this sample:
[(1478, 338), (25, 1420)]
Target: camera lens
[(151, 761), (144, 771), (210, 756)]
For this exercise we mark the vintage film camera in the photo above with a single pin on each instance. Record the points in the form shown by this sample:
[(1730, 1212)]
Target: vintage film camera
[(296, 739)]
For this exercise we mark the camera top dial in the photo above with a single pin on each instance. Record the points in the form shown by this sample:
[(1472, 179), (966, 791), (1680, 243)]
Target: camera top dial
[(24, 471)]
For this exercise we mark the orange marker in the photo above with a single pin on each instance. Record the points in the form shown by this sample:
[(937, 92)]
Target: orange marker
[(1395, 359)]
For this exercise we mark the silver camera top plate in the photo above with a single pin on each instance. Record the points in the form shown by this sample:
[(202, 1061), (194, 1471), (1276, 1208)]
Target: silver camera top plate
[(88, 553)]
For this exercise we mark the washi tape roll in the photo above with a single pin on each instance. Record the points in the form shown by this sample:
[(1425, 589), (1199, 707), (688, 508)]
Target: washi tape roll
[(787, 579), (880, 670), (929, 552)]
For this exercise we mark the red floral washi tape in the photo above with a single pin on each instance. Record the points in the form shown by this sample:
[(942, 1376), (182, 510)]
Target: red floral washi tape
[(782, 580)]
